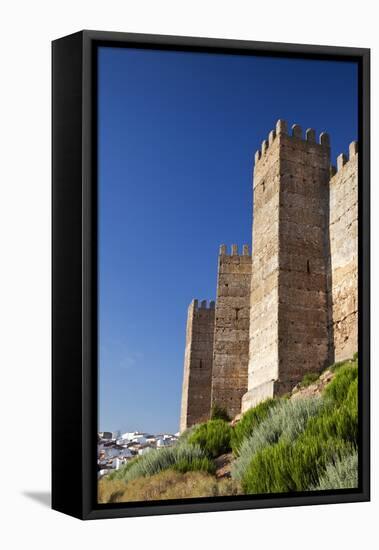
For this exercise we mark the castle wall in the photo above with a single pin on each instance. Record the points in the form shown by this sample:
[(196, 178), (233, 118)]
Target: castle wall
[(344, 254), (231, 337), (263, 338), (290, 306), (197, 376)]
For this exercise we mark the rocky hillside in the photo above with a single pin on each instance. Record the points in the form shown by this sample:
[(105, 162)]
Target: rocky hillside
[(313, 389), (306, 441)]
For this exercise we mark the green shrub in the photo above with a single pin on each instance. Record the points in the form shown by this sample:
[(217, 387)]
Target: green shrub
[(213, 437), (337, 423), (303, 444), (119, 474), (336, 366), (341, 474), (351, 401), (204, 464), (288, 467), (352, 362), (219, 413), (286, 420), (309, 378), (338, 388), (184, 436), (187, 457), (339, 419), (310, 457), (249, 421), (310, 452)]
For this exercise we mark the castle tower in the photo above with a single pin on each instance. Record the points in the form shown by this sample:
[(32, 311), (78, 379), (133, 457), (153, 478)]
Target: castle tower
[(344, 254), (197, 378), (290, 310), (231, 337)]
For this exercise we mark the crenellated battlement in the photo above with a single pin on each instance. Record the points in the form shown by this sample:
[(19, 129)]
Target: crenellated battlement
[(234, 250), (296, 134), (203, 304), (342, 159)]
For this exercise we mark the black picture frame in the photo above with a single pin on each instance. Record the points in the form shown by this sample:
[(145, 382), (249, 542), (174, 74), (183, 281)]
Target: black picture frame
[(74, 273)]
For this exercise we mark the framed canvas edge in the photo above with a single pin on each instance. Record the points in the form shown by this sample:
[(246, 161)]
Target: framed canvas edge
[(88, 508), (67, 365)]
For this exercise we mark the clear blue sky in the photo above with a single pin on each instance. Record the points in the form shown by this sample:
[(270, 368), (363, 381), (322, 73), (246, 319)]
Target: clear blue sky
[(177, 135)]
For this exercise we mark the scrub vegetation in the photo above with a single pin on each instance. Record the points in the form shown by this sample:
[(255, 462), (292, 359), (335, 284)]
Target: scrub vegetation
[(282, 445)]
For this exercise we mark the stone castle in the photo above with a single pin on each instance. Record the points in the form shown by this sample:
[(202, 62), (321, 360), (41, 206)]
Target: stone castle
[(290, 307)]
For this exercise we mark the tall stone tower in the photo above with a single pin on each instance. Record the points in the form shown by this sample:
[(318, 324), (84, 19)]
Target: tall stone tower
[(344, 254), (197, 377), (292, 306), (231, 337), (290, 309)]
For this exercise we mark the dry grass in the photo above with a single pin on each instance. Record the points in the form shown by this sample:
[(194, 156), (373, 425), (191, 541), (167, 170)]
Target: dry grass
[(166, 485)]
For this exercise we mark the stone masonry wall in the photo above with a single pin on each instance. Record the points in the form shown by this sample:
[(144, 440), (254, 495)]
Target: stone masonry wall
[(292, 307), (263, 354), (344, 254), (231, 339), (290, 310), (197, 377), (304, 254)]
